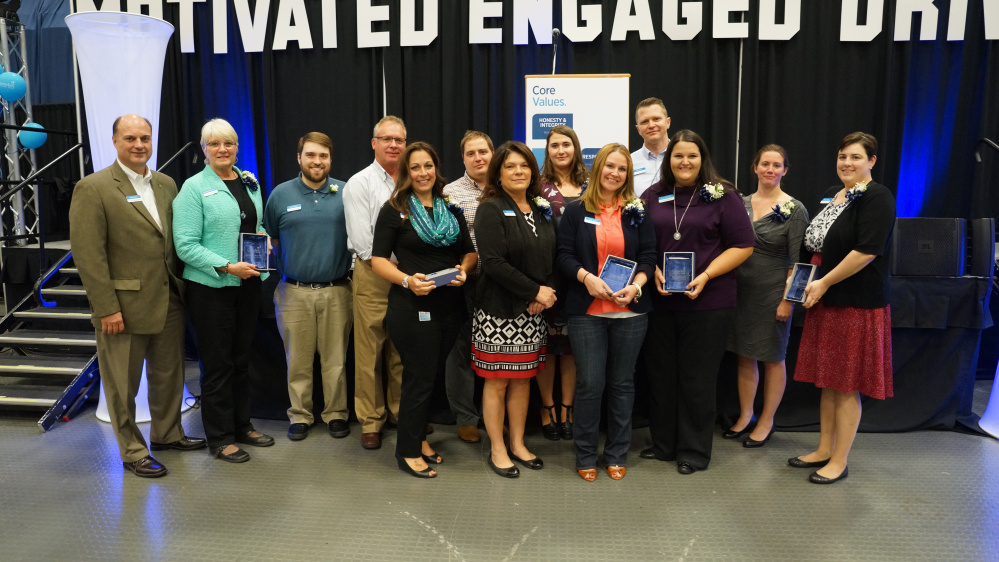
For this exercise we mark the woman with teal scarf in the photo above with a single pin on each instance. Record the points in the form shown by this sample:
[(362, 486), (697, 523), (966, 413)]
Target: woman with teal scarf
[(424, 316)]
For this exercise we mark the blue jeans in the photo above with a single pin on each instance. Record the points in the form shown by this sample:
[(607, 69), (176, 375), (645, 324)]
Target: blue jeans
[(606, 350)]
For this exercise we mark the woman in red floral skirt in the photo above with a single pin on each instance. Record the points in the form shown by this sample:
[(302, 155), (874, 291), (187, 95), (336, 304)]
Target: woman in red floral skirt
[(846, 344)]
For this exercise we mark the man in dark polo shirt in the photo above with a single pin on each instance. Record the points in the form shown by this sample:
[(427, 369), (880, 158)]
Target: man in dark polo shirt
[(305, 220)]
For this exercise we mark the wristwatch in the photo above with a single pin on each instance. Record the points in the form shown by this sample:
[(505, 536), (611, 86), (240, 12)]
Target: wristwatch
[(405, 282)]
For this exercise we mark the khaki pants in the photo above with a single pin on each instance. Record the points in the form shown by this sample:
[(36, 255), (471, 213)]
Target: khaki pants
[(373, 352), (120, 360), (314, 320)]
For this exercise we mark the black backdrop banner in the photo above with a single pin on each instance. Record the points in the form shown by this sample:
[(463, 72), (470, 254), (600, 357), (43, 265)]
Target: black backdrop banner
[(928, 102)]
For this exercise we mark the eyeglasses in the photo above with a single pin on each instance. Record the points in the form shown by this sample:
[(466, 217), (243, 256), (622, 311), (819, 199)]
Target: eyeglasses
[(391, 140), (215, 144)]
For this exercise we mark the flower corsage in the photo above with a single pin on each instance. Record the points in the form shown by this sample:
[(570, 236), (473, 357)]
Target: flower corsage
[(249, 180), (783, 212), (856, 192), (453, 207), (334, 187), (634, 211), (711, 193), (544, 206)]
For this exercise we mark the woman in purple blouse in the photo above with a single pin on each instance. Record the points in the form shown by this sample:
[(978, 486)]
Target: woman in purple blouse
[(692, 210)]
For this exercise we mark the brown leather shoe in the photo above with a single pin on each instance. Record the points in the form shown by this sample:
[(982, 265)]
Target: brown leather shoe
[(469, 434), (182, 444), (616, 472), (147, 467), (371, 440)]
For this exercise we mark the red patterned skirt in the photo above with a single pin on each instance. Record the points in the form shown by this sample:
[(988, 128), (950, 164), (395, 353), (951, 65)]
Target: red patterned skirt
[(846, 349), (508, 348)]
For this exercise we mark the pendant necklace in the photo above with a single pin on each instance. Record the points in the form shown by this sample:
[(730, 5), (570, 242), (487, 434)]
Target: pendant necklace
[(676, 225)]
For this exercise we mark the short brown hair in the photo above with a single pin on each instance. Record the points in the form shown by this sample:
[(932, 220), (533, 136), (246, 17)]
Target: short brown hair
[(493, 187), (318, 138), (868, 142), (470, 135), (651, 101)]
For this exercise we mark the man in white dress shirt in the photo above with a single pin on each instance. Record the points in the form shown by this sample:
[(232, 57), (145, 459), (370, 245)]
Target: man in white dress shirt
[(374, 353), (652, 123)]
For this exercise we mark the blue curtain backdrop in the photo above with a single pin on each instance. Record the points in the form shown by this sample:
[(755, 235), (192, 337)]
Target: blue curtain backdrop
[(926, 101)]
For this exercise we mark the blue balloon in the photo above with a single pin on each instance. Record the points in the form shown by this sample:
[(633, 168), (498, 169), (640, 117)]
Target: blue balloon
[(32, 139), (12, 86)]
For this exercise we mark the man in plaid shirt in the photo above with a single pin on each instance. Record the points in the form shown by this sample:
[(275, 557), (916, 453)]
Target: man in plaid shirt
[(476, 152)]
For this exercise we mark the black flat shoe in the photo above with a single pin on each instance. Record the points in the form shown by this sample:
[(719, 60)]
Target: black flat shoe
[(649, 453), (239, 456), (433, 459), (798, 463), (510, 472), (534, 464), (258, 441), (686, 468), (814, 477), (550, 430), (565, 428), (751, 443), (425, 473)]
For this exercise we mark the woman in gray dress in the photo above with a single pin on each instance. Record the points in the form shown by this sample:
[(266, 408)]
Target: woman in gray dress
[(761, 324)]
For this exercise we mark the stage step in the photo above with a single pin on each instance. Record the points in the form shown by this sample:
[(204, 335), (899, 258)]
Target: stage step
[(16, 338), (36, 397), (43, 366), (54, 312), (65, 290)]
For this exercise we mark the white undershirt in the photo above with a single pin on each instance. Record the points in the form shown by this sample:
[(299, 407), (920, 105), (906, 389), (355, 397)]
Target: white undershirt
[(144, 187)]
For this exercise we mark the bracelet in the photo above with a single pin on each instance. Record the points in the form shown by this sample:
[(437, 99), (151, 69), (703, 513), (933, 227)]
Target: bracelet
[(639, 287), (585, 276), (706, 273)]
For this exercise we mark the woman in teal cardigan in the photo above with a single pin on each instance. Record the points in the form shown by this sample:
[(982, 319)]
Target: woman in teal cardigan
[(223, 294)]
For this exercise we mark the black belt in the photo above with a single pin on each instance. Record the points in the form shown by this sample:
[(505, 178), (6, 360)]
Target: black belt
[(316, 284)]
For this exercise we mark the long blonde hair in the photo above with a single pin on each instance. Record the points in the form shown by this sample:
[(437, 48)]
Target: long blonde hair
[(625, 193)]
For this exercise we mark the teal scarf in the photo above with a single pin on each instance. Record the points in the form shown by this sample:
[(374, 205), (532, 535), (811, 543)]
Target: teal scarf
[(443, 233)]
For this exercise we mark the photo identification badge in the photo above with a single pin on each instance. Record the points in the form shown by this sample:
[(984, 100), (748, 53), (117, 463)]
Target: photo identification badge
[(424, 316)]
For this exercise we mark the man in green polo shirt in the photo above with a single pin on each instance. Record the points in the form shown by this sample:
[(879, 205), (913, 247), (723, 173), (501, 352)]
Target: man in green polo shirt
[(313, 301)]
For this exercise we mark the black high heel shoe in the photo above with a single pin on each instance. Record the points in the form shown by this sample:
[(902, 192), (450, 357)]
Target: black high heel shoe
[(751, 443), (550, 430), (565, 428), (404, 466), (433, 459), (732, 434)]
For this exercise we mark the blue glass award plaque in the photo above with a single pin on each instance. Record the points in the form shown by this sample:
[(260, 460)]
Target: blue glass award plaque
[(801, 276), (678, 269), (443, 277), (617, 273), (253, 250)]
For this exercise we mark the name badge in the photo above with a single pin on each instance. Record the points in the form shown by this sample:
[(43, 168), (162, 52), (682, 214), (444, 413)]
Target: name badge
[(208, 192), (591, 220), (133, 198), (826, 201), (424, 316), (509, 213), (292, 208), (640, 170), (666, 198)]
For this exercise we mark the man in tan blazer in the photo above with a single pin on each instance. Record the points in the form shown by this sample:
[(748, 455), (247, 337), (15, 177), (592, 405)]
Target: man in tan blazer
[(120, 229)]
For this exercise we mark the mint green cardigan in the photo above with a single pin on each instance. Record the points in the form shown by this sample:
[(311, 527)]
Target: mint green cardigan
[(206, 228)]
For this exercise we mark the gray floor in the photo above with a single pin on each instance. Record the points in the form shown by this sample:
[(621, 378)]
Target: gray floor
[(914, 496)]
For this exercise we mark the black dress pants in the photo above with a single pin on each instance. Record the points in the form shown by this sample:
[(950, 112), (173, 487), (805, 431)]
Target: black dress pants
[(424, 348), (224, 320), (683, 352)]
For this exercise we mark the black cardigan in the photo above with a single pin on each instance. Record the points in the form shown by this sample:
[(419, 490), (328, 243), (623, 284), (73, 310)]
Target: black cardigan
[(515, 263), (577, 248), (866, 226)]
